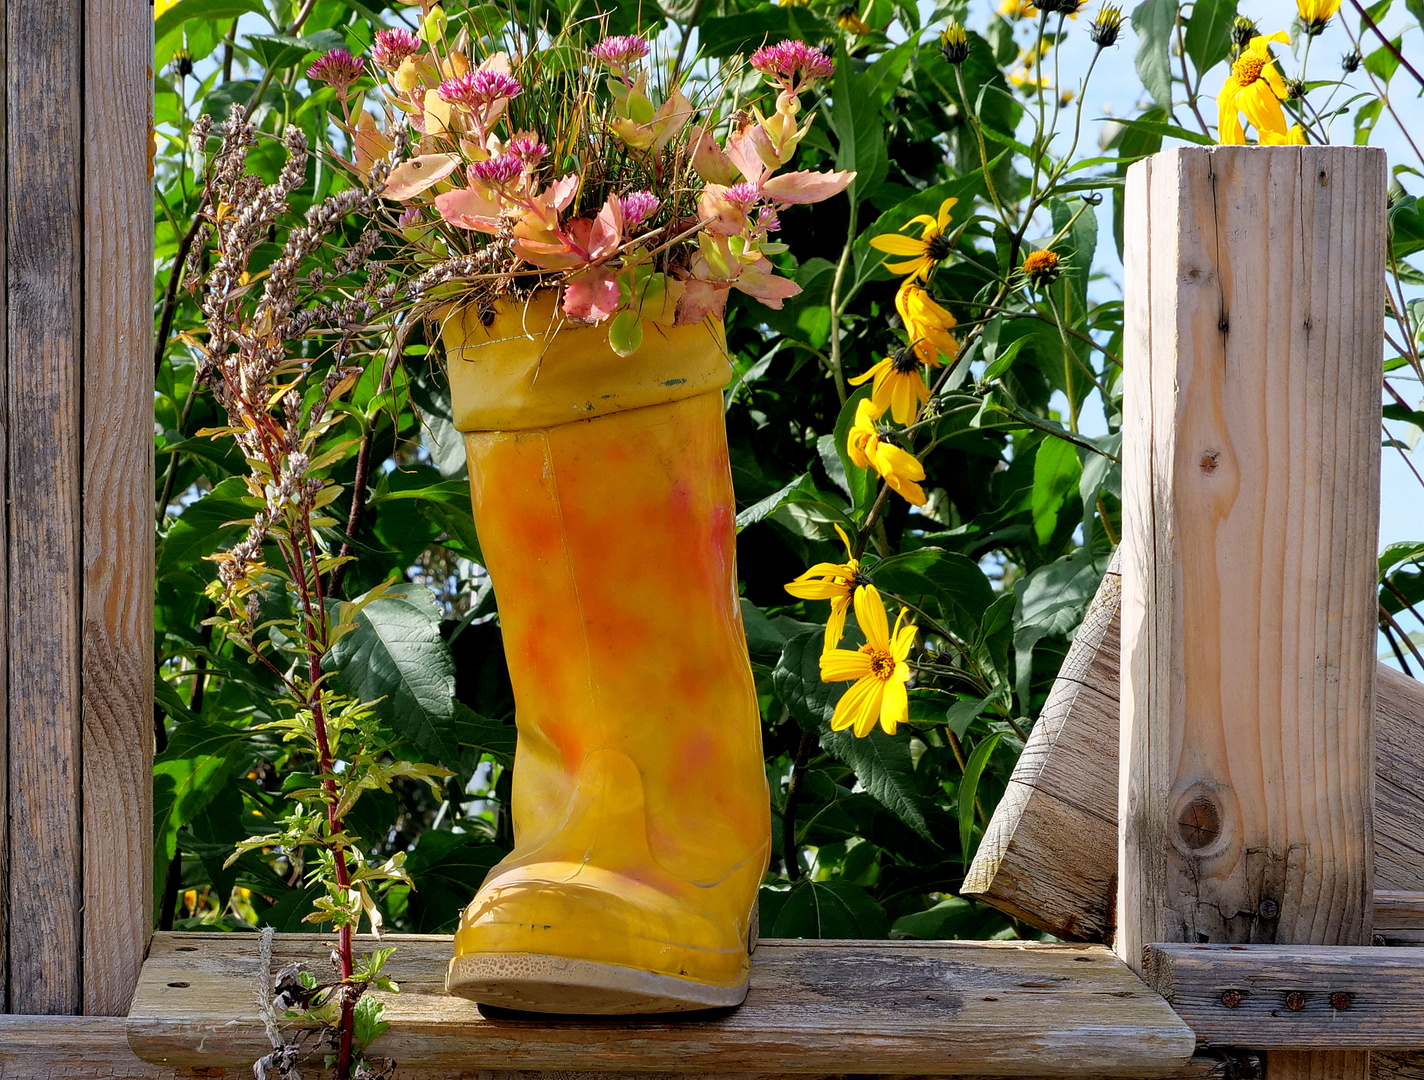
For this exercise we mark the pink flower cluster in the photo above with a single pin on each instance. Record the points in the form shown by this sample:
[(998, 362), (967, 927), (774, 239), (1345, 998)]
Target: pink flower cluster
[(480, 89), (393, 47), (621, 50), (789, 59), (338, 69), (497, 171), (638, 206), (527, 150)]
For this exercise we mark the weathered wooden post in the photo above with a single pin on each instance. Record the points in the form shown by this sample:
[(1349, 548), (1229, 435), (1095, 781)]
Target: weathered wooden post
[(1250, 494), (76, 468)]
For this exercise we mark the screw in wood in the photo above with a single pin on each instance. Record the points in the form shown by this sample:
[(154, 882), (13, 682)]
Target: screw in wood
[(1340, 1000), (1295, 1001), (1231, 998), (1268, 909)]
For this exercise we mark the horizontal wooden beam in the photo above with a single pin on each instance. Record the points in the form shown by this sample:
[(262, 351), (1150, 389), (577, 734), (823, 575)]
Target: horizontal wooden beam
[(1294, 997), (981, 1008), (85, 1047)]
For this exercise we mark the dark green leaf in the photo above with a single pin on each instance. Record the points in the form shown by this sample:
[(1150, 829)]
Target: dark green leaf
[(1208, 36), (397, 658), (766, 24), (969, 788), (448, 869), (829, 909), (1154, 21)]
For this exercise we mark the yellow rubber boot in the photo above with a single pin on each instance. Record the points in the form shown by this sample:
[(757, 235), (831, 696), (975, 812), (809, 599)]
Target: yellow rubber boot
[(603, 501)]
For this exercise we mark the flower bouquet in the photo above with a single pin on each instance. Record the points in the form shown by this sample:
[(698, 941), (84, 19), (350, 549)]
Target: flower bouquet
[(574, 223)]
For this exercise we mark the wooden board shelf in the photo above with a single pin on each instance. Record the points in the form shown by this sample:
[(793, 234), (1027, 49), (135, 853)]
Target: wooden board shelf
[(1294, 997), (980, 1008)]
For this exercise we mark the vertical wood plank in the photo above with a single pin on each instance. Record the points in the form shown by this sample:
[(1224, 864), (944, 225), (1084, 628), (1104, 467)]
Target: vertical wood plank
[(43, 184), (117, 644), (4, 560), (1252, 461)]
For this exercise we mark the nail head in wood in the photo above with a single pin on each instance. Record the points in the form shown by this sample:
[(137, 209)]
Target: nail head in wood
[(1231, 998), (1295, 1001), (1269, 909), (1339, 1001)]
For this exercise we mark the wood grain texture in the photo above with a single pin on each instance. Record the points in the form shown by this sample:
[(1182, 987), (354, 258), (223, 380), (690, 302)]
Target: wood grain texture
[(1251, 462), (96, 1048), (1287, 996), (44, 105), (1062, 794), (1061, 798), (4, 549), (1004, 1009), (117, 657)]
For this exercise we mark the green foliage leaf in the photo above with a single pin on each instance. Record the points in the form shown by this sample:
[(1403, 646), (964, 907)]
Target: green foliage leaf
[(1056, 471), (859, 128), (447, 869), (828, 909), (1052, 601), (1208, 34), (203, 527), (954, 582), (203, 10), (397, 658), (969, 788), (1154, 21), (726, 35)]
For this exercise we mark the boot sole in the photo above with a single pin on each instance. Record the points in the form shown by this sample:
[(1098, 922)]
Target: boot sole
[(530, 982)]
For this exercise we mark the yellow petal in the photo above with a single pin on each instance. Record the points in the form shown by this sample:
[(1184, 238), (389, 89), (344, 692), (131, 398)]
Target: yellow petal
[(816, 590), (840, 665), (894, 244), (853, 564), (920, 219), (835, 625), (944, 215), (894, 706), (870, 374), (870, 614), (1272, 75), (904, 638), (1261, 108), (860, 701)]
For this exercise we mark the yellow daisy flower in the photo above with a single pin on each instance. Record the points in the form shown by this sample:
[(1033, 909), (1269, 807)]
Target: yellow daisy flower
[(835, 582), (898, 385), (895, 466), (1256, 88), (927, 323), (1018, 9), (848, 19), (923, 254), (878, 668), (1315, 15)]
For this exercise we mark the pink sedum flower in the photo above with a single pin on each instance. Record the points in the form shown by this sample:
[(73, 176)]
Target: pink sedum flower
[(744, 195), (638, 206), (620, 51), (497, 171), (393, 47), (527, 150), (788, 59), (338, 69), (479, 90)]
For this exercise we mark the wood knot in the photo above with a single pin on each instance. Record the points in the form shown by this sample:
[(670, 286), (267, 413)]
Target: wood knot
[(1295, 1001), (1199, 822), (1210, 460), (1323, 179)]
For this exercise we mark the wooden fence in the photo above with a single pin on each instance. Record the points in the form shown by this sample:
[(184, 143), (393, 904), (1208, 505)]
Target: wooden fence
[(1235, 856)]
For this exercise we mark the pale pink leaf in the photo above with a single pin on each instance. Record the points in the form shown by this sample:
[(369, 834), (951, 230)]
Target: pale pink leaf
[(410, 178), (592, 296), (806, 187)]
